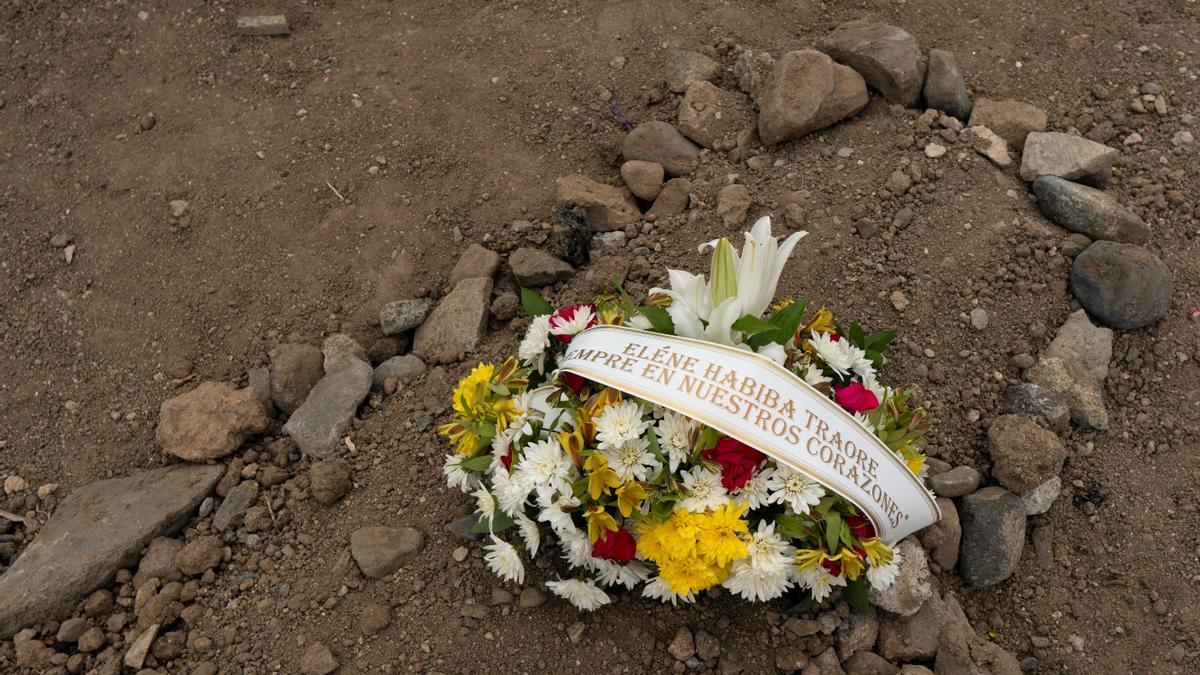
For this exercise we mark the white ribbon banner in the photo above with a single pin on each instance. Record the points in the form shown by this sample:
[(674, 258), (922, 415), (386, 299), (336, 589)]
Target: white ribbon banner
[(755, 400)]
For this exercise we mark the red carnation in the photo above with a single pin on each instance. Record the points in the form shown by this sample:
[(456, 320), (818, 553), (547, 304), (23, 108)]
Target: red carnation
[(575, 382), (834, 567), (738, 461), (855, 397), (619, 546), (860, 527)]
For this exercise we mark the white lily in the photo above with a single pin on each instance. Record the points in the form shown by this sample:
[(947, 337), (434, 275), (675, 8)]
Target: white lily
[(760, 265)]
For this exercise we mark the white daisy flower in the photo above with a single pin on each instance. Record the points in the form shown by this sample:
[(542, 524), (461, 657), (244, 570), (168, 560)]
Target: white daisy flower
[(633, 459), (675, 434), (456, 476), (756, 492), (610, 573), (504, 560), (659, 590), (485, 504), (881, 578), (794, 489), (544, 464), (833, 353), (814, 377), (510, 493), (581, 318), (820, 582), (519, 426), (532, 350), (584, 595), (553, 511), (704, 490), (859, 363), (766, 573), (530, 533), (576, 547), (620, 423)]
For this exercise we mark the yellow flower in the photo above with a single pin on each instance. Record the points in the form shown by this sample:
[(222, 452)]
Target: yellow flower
[(466, 442), (782, 305), (719, 541), (629, 497), (601, 477), (915, 464), (851, 564), (822, 322), (598, 521), (571, 442), (473, 389), (807, 558), (690, 575), (506, 411), (878, 553)]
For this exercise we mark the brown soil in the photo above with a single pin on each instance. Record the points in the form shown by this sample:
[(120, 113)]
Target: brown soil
[(476, 108)]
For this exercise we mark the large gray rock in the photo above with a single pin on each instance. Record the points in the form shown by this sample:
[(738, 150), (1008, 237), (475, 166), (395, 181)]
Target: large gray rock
[(805, 92), (606, 208), (686, 67), (209, 421), (400, 316), (1124, 286), (752, 70), (1039, 404), (534, 268), (1024, 454), (404, 368), (913, 585), (379, 551), (888, 57), (476, 261), (339, 350), (673, 199), (961, 650), (454, 329), (1053, 153), (945, 89), (1089, 211), (644, 179), (661, 143), (1073, 368), (712, 116), (295, 370), (942, 539), (97, 530), (233, 509), (912, 638), (1011, 120), (993, 534), (319, 424)]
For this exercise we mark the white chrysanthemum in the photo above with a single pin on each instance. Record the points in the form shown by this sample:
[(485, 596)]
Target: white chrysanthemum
[(520, 426), (814, 377), (531, 534), (756, 492), (862, 419), (820, 582), (485, 505), (660, 590), (584, 595), (577, 548), (458, 477), (639, 322), (553, 511), (620, 423), (859, 362), (703, 489), (881, 578), (675, 438), (581, 318), (504, 560), (794, 489), (610, 573), (872, 384), (775, 352), (833, 353), (532, 350), (767, 573), (510, 493), (633, 459), (544, 464)]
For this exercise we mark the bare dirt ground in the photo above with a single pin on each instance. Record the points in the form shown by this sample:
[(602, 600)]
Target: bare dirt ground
[(475, 108)]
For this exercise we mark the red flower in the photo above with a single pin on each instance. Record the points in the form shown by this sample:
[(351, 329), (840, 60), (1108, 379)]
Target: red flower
[(575, 382), (834, 567), (563, 317), (506, 461), (860, 527), (619, 546), (738, 461), (855, 397)]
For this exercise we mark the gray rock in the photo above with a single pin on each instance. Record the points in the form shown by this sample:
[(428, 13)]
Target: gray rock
[(400, 316), (340, 349), (159, 562), (868, 663), (200, 555), (912, 587), (1039, 500), (993, 534), (683, 645), (805, 92), (661, 143), (1024, 454), (686, 67), (72, 629), (733, 201), (945, 89), (912, 638), (534, 268), (1088, 211), (942, 539), (1124, 286), (295, 370), (827, 663), (258, 381), (404, 368), (461, 527), (888, 57), (752, 70), (329, 480), (979, 318), (233, 509), (61, 240), (1039, 404), (959, 481), (267, 24), (379, 551), (987, 143), (531, 597), (455, 327), (1010, 120), (209, 421), (856, 634), (673, 199), (321, 423), (644, 179), (475, 262), (95, 531), (961, 650), (318, 660), (1074, 366), (606, 208), (712, 116), (1057, 154)]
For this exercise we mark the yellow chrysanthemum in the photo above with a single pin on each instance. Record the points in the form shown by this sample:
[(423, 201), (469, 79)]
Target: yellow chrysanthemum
[(719, 539), (629, 497), (599, 521), (473, 390), (466, 442), (690, 575)]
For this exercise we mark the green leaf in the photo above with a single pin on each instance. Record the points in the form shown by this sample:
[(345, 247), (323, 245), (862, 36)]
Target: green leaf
[(750, 325), (706, 441), (659, 319), (879, 340), (789, 318), (855, 595), (500, 523), (654, 448), (534, 303), (833, 530), (802, 607), (845, 536), (477, 463), (856, 335), (792, 526), (662, 510)]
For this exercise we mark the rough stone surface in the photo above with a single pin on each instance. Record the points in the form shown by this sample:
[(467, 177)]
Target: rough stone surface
[(72, 629), (987, 143), (805, 92), (959, 481), (475, 262), (1071, 157), (912, 638), (1073, 368), (606, 208), (1039, 500), (868, 663), (159, 561), (135, 657), (379, 551), (685, 67), (329, 480), (857, 633), (1024, 454), (945, 88), (661, 143), (295, 370), (752, 70), (199, 555), (712, 116), (209, 422), (683, 645), (673, 199), (733, 201), (399, 316), (454, 329), (266, 24), (341, 350), (96, 530), (993, 533), (942, 539), (961, 650), (644, 179), (1089, 211), (1124, 286), (233, 508), (318, 660), (403, 368), (374, 618), (321, 423), (1039, 404), (888, 57), (1010, 120), (912, 586), (534, 268)]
